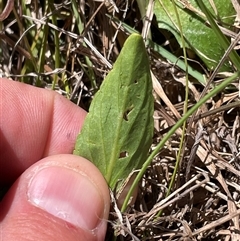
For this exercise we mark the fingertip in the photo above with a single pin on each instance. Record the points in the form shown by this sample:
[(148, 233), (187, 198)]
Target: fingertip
[(35, 123), (67, 120), (61, 197)]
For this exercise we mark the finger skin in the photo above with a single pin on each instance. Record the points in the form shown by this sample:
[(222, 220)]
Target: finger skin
[(35, 123), (22, 221)]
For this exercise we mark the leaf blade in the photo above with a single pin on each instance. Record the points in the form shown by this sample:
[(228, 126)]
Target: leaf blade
[(118, 130), (198, 35)]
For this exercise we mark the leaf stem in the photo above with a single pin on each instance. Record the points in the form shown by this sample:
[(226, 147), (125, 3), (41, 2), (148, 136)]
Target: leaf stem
[(215, 91)]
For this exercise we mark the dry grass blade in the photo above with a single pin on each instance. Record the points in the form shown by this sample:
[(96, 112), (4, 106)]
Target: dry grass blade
[(7, 10)]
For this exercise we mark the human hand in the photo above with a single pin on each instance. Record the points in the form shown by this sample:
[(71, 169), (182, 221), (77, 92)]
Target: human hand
[(55, 195)]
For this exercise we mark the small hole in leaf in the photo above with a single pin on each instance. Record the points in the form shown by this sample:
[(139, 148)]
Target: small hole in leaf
[(123, 154), (126, 113), (125, 116), (135, 81)]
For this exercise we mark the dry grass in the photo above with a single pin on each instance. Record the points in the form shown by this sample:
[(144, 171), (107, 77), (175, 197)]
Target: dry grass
[(204, 201)]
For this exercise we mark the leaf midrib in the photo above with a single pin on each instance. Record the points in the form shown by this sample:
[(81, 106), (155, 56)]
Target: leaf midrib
[(114, 156)]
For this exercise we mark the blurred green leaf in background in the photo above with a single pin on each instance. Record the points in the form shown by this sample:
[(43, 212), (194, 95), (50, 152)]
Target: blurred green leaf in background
[(198, 35)]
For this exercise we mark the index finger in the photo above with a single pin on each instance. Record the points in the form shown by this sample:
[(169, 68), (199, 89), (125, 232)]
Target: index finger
[(34, 123)]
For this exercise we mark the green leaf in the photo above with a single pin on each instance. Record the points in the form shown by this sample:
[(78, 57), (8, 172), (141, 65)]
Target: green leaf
[(198, 36), (118, 129)]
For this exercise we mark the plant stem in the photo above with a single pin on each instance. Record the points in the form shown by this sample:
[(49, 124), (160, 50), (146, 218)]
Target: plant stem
[(215, 91)]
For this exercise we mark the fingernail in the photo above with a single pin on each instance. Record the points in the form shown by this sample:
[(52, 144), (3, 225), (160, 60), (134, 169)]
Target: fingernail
[(68, 195)]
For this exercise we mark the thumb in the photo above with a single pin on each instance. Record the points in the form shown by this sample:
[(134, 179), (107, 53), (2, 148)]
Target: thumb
[(62, 197)]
